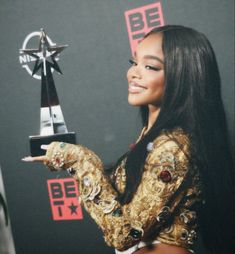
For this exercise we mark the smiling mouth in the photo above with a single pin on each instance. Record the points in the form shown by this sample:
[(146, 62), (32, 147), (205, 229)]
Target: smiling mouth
[(135, 88)]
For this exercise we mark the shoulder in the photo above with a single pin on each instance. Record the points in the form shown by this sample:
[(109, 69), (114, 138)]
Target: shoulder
[(170, 145), (176, 138)]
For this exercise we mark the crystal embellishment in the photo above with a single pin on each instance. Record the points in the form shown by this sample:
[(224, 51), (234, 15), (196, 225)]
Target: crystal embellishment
[(117, 212), (87, 181), (62, 145), (136, 234), (150, 147), (58, 160)]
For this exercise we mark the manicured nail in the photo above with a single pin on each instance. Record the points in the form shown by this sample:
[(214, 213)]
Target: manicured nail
[(44, 147), (28, 158)]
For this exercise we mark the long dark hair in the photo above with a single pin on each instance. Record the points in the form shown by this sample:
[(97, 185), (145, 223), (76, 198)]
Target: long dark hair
[(192, 101)]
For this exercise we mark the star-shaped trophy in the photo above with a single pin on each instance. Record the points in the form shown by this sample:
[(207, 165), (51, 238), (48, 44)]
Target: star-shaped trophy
[(52, 124)]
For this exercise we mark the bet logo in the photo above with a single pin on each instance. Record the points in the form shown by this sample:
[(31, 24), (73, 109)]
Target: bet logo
[(141, 20), (63, 194)]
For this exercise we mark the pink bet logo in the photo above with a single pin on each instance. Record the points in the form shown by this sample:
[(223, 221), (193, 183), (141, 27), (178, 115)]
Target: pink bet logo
[(63, 195), (141, 20)]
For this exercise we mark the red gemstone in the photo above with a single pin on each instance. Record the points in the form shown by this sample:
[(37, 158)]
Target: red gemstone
[(57, 160), (165, 176)]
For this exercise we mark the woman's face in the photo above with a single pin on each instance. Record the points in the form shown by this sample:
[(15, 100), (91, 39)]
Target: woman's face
[(146, 75)]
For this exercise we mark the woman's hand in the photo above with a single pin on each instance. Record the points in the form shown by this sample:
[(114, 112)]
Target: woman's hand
[(42, 158)]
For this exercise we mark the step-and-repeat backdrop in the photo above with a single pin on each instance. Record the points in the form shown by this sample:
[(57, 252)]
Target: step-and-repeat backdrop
[(45, 214)]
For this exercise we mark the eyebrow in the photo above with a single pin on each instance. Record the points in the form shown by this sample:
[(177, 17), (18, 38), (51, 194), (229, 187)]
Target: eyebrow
[(152, 57)]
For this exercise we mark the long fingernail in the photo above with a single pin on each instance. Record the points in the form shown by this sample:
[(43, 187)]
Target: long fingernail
[(44, 147), (28, 158)]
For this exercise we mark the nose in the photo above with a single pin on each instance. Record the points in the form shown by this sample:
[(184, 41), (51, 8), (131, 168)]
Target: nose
[(134, 72)]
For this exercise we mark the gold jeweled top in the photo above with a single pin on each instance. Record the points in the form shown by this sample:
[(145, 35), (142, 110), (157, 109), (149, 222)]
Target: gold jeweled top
[(165, 202)]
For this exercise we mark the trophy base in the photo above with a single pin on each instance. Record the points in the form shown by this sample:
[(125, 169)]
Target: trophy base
[(37, 141)]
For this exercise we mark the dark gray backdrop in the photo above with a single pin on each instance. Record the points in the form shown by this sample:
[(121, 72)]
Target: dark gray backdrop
[(92, 92)]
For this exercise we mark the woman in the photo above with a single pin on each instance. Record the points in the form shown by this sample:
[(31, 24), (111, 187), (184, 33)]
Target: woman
[(178, 176)]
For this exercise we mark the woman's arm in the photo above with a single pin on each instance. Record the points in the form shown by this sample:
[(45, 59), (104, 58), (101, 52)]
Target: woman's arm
[(157, 196)]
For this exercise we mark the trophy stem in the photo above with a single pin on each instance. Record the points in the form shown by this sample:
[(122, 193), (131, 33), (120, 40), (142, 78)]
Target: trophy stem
[(52, 120)]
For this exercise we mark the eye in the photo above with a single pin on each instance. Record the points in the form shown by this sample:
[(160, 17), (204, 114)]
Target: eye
[(149, 67), (132, 62)]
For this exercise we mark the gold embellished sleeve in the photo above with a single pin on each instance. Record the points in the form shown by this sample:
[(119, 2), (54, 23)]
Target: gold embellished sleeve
[(157, 196)]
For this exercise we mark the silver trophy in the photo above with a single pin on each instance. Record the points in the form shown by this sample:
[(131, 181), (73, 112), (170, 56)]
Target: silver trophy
[(52, 124)]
